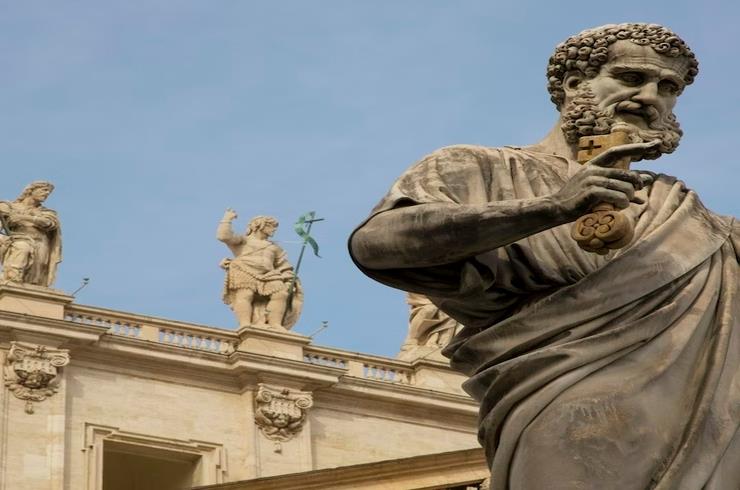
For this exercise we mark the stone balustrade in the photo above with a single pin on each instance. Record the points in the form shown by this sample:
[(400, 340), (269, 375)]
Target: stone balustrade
[(362, 365), (192, 340), (221, 341), (155, 330), (324, 360), (117, 326)]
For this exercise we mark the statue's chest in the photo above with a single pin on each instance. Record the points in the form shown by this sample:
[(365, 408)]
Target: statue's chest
[(259, 248)]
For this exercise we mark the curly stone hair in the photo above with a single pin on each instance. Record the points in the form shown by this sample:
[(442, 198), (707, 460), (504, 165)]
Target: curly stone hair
[(259, 222), (587, 51)]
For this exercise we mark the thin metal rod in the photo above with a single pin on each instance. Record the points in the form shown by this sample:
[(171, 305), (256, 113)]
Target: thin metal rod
[(291, 289)]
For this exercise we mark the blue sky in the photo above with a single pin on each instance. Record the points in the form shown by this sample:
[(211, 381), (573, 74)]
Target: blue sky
[(152, 117)]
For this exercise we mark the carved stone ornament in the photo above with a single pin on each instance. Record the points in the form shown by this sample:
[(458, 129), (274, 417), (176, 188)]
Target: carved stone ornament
[(280, 413), (31, 371)]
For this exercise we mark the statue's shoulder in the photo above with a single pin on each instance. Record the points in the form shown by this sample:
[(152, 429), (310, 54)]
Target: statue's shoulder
[(456, 158), (47, 211), (272, 247), (465, 152)]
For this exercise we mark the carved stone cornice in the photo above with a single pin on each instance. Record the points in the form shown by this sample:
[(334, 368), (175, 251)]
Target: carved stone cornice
[(31, 371), (280, 413)]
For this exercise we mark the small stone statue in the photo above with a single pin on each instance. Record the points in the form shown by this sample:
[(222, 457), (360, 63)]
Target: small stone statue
[(430, 330), (260, 285), (31, 248)]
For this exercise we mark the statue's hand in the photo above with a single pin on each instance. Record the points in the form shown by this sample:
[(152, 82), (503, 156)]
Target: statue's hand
[(229, 215), (633, 151), (598, 182)]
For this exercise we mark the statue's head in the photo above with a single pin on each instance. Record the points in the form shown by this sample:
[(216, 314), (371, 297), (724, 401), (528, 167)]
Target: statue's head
[(265, 224), (39, 189), (625, 76)]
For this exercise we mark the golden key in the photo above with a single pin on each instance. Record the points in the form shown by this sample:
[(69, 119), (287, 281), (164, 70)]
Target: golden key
[(605, 227)]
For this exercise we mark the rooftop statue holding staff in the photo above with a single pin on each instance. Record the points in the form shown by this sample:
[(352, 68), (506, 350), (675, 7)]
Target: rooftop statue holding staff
[(606, 354), (31, 248), (260, 284)]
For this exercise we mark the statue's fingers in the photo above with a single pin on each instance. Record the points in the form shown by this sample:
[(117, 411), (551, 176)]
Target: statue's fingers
[(614, 154), (647, 176)]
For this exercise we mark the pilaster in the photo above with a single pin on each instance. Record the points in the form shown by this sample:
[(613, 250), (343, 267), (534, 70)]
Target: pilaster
[(33, 417)]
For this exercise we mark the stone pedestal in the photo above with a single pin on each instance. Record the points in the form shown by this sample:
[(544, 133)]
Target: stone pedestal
[(436, 375), (273, 343), (33, 300)]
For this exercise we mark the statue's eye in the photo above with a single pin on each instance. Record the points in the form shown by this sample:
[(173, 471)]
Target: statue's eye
[(631, 77), (668, 87)]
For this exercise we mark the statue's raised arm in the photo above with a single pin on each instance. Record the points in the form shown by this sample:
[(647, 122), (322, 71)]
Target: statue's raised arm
[(31, 248)]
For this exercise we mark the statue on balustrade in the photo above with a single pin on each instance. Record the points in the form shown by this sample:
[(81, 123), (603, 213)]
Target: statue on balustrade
[(600, 303), (31, 246), (260, 286), (430, 329)]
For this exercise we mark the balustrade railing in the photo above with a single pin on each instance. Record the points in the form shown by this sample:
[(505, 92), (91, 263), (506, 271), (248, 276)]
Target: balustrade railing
[(115, 326), (192, 340), (325, 360), (214, 340), (360, 366), (386, 373), (196, 338)]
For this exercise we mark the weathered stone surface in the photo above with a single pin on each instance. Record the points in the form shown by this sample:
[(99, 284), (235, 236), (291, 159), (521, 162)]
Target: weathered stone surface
[(613, 371), (31, 248), (31, 371), (260, 284), (188, 400)]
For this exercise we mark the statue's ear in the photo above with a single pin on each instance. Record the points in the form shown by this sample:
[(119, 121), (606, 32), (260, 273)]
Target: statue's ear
[(571, 83)]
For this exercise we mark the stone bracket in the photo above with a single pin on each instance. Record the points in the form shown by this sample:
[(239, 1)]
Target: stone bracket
[(280, 413), (31, 371)]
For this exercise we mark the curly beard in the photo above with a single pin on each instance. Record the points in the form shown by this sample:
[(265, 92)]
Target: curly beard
[(582, 117)]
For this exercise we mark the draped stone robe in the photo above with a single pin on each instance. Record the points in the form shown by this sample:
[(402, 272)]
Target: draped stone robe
[(592, 372)]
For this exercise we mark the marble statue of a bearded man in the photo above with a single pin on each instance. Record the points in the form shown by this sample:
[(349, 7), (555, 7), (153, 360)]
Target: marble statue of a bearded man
[(32, 247), (615, 371)]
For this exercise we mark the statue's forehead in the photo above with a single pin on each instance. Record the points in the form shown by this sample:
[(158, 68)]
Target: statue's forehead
[(628, 53)]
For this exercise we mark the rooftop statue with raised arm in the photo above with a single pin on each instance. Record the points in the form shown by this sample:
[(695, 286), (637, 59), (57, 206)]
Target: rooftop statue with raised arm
[(31, 248), (260, 285), (601, 360)]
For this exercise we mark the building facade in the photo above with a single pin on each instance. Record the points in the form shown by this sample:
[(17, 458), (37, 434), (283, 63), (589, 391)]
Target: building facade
[(96, 399)]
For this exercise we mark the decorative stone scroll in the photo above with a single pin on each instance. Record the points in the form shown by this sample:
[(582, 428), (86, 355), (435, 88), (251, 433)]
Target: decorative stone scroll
[(280, 413), (31, 371)]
